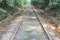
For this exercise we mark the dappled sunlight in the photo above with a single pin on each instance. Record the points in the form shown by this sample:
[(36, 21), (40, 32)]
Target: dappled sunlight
[(32, 33), (30, 19), (52, 33), (19, 18), (31, 28), (56, 38), (33, 17)]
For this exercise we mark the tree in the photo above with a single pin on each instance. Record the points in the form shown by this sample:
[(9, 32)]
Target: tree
[(47, 2)]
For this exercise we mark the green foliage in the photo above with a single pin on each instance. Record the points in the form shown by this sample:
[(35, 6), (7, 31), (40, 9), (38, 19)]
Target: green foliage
[(13, 3), (53, 5), (0, 1), (10, 3), (18, 3), (39, 3), (9, 7), (21, 2), (2, 14)]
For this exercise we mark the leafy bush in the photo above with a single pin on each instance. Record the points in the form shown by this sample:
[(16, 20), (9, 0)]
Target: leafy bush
[(39, 3), (2, 14), (21, 2), (54, 5), (0, 1), (10, 3), (9, 7)]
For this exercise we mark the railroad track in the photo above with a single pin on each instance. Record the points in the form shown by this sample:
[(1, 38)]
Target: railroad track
[(42, 26), (12, 38), (20, 35)]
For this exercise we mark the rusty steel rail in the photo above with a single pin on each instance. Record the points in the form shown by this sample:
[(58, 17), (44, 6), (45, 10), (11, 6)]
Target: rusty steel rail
[(48, 36)]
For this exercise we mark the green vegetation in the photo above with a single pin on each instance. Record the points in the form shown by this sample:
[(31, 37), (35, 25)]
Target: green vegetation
[(52, 4), (40, 3), (2, 14), (8, 8), (49, 5)]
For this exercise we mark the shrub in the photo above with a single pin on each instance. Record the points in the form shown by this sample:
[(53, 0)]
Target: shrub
[(39, 3), (54, 5), (2, 14), (10, 3)]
